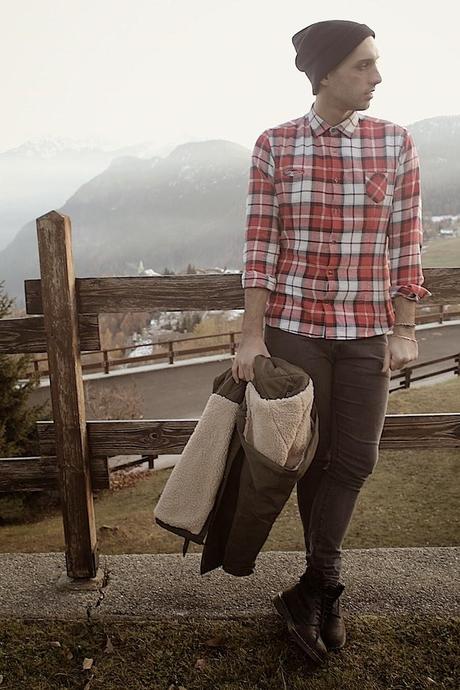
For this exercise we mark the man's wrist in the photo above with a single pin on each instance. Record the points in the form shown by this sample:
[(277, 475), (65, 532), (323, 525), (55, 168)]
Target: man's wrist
[(404, 327), (248, 334), (408, 331)]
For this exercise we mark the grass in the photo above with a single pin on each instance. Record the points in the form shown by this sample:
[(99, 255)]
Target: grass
[(442, 253), (409, 500), (387, 653)]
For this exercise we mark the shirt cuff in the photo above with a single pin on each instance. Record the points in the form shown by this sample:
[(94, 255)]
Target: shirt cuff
[(251, 279), (411, 291)]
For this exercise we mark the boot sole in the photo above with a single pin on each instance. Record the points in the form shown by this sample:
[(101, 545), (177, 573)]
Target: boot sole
[(336, 648), (285, 614)]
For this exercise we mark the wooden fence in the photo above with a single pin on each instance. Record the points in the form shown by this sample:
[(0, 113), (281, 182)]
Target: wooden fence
[(173, 347), (63, 321), (404, 376)]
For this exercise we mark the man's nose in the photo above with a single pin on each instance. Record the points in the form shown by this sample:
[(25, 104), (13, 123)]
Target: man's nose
[(377, 77)]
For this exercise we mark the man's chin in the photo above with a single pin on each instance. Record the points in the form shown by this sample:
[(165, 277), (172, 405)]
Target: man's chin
[(364, 105)]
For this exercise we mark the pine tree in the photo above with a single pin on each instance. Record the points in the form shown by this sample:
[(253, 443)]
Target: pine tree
[(17, 418)]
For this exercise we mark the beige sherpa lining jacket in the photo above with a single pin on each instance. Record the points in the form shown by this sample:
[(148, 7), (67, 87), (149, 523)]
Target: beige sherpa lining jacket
[(279, 433)]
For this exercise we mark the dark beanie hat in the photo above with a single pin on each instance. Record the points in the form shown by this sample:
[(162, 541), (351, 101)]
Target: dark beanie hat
[(322, 46)]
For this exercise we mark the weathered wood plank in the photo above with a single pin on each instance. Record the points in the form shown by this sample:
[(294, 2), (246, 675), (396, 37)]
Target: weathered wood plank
[(436, 430), (133, 437), (67, 394), (27, 334), (200, 292), (39, 473), (142, 293), (151, 436)]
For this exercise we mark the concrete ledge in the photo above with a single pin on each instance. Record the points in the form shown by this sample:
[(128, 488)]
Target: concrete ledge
[(90, 584), (151, 587)]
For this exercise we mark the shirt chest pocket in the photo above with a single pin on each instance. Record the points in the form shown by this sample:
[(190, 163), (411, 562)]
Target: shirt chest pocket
[(296, 184), (376, 186)]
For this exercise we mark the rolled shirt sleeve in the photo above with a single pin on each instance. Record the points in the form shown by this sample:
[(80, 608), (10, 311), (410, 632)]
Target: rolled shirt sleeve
[(261, 246), (405, 234)]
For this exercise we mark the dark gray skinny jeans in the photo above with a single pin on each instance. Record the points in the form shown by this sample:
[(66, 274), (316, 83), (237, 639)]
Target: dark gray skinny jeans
[(351, 395)]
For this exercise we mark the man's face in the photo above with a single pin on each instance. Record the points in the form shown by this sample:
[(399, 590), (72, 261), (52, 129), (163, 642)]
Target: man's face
[(348, 85)]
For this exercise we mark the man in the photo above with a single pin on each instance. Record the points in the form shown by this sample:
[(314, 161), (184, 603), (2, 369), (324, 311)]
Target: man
[(332, 260)]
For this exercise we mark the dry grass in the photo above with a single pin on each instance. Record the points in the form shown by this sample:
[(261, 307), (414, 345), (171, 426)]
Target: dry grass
[(410, 500), (442, 253), (382, 653)]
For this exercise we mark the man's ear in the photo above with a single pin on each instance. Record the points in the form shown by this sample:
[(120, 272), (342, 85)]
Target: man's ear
[(325, 80)]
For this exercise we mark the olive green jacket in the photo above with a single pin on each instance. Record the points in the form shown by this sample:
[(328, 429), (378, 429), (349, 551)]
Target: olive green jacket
[(253, 442)]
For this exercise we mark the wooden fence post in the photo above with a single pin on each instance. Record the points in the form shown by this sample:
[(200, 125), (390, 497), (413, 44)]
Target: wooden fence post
[(37, 369), (407, 376), (67, 394), (105, 355)]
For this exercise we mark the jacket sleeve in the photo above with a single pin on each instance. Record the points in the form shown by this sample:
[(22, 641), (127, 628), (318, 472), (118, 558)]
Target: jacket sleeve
[(405, 234), (261, 247)]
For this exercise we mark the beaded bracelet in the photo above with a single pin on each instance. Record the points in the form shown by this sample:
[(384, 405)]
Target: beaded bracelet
[(405, 337)]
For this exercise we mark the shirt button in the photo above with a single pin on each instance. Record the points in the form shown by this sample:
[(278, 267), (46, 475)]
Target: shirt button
[(330, 273), (333, 130)]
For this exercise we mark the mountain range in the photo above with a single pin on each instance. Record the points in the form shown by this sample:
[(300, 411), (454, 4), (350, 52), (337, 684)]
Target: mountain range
[(43, 173), (173, 206)]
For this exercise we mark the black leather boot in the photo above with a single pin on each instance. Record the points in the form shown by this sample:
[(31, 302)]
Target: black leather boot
[(301, 606), (333, 626)]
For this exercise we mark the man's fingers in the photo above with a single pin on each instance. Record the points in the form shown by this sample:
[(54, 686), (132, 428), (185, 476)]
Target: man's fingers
[(386, 361), (238, 372)]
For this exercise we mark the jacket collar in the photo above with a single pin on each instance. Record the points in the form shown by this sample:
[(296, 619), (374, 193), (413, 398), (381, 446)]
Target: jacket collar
[(319, 125)]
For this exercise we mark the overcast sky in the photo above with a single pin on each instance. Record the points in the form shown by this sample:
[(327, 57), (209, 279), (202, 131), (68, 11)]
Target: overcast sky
[(175, 70)]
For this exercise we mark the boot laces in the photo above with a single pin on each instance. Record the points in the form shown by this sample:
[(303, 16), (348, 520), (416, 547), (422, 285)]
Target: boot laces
[(331, 597)]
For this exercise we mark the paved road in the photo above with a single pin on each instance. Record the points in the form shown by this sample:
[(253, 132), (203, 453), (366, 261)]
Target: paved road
[(180, 391)]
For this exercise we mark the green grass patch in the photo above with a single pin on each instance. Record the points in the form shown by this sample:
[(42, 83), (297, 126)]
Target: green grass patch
[(387, 653)]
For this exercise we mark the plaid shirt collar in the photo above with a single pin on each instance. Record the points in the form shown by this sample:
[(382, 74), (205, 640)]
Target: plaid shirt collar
[(319, 125)]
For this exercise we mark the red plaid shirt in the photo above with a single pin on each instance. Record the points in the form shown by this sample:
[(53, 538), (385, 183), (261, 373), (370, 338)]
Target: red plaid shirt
[(333, 225)]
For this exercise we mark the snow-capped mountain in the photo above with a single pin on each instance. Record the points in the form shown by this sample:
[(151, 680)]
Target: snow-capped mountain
[(42, 173), (47, 147), (438, 145), (187, 207)]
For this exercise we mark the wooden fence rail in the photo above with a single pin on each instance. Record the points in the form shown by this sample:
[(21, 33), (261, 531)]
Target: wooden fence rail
[(406, 378), (63, 320), (173, 347)]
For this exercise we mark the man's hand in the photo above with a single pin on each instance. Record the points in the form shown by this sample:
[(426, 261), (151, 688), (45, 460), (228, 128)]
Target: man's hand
[(243, 364), (399, 353)]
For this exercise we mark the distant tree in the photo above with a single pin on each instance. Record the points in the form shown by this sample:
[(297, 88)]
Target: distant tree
[(168, 272), (187, 321), (17, 419), (117, 402), (190, 268)]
